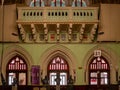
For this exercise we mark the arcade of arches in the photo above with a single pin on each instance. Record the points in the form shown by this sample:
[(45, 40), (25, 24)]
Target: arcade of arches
[(59, 61)]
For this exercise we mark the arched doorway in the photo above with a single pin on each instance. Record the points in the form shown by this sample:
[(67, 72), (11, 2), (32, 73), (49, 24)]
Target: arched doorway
[(99, 71), (58, 66), (16, 68)]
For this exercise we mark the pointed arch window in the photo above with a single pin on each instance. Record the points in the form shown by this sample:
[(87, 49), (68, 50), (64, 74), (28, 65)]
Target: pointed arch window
[(58, 66), (17, 68), (99, 72)]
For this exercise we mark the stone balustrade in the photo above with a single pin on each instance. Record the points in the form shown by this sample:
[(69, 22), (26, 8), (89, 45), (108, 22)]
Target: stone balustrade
[(57, 14)]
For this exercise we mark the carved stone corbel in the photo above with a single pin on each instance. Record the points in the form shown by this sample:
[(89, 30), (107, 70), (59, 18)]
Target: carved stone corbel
[(82, 31), (34, 32), (22, 32), (93, 32)]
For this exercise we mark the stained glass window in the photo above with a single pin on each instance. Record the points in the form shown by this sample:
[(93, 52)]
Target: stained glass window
[(99, 72), (17, 68), (58, 66)]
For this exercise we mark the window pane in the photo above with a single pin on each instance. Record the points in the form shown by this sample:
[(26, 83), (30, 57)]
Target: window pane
[(104, 78), (93, 81), (93, 74), (10, 78), (52, 78), (22, 78), (63, 77)]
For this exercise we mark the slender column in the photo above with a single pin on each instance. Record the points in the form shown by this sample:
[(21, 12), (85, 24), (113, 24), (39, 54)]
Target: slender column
[(45, 32), (22, 32), (82, 32), (58, 32)]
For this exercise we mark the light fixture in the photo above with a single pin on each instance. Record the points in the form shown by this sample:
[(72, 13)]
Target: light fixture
[(100, 33)]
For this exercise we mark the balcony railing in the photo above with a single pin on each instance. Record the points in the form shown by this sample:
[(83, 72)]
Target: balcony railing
[(55, 14)]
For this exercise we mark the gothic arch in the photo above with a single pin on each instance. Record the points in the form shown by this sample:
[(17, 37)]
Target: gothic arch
[(12, 51), (57, 50), (109, 55)]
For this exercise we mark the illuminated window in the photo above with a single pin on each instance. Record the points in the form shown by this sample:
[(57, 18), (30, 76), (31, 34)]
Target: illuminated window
[(17, 68), (58, 66), (99, 72)]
